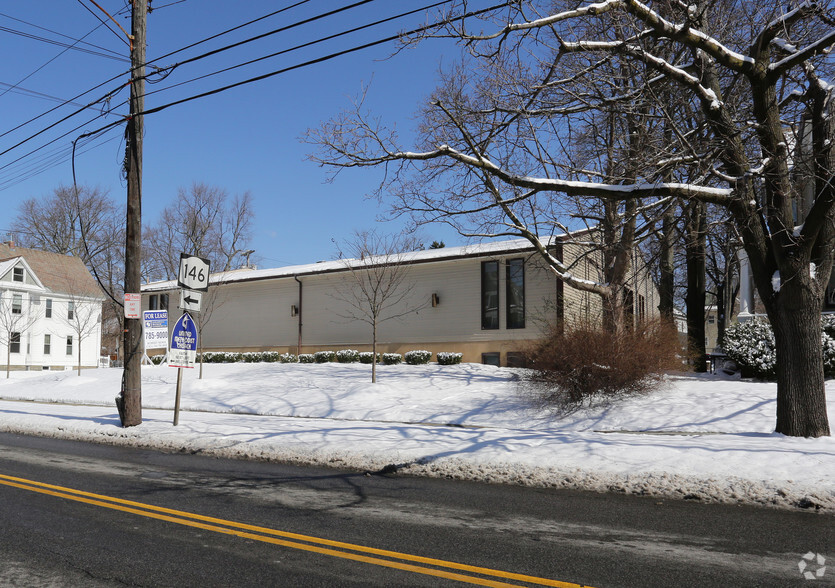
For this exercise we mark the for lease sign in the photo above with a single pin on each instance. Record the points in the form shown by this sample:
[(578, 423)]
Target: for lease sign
[(155, 323)]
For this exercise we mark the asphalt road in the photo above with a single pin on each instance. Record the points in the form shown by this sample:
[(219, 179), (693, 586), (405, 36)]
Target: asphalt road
[(75, 514)]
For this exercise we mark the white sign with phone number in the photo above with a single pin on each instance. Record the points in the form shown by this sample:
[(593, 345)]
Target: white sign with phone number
[(156, 329)]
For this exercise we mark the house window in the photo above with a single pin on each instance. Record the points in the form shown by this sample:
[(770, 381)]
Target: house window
[(490, 295), (515, 293), (47, 344), (158, 302), (70, 310), (642, 308), (69, 345), (492, 358), (163, 301), (17, 304), (17, 274), (14, 343), (49, 308)]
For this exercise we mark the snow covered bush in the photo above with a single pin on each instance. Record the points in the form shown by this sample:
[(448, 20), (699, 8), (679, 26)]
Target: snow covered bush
[(347, 356), (582, 364), (368, 357), (324, 356), (392, 358), (306, 358), (751, 346), (287, 358), (449, 357), (417, 357), (270, 356)]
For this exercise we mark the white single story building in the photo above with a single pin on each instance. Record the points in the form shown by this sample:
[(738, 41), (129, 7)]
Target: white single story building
[(488, 301), (50, 311)]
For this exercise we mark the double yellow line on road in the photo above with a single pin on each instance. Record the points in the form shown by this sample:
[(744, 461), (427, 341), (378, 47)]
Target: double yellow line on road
[(318, 545)]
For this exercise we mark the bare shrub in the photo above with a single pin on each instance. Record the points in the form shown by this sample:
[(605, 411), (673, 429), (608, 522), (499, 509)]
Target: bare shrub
[(580, 365)]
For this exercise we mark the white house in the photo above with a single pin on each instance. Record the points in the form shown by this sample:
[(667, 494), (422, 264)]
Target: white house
[(487, 301), (50, 311)]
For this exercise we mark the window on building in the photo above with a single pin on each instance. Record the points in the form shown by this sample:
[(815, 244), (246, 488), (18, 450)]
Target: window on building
[(515, 295), (69, 345), (47, 344), (492, 358), (17, 274), (48, 311), (14, 343), (153, 302), (517, 359), (17, 304), (70, 310), (642, 308), (490, 295)]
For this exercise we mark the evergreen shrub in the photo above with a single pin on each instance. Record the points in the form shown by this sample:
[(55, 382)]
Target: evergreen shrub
[(417, 357), (392, 358), (449, 358), (347, 356), (368, 357), (306, 358), (324, 356)]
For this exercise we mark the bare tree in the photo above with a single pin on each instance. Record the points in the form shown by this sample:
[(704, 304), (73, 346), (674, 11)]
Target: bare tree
[(751, 75), (376, 287), (83, 316), (17, 317), (203, 221), (84, 223)]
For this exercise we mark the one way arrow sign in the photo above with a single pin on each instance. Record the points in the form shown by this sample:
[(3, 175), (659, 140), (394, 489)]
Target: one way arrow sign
[(190, 300)]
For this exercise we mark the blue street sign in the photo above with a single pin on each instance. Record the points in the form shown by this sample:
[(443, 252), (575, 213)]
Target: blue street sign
[(183, 352)]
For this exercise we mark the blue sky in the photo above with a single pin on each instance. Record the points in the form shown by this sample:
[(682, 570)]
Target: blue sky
[(245, 139)]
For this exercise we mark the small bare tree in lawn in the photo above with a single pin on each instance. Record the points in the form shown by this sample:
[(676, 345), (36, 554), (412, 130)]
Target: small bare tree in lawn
[(376, 288), (83, 316), (17, 316)]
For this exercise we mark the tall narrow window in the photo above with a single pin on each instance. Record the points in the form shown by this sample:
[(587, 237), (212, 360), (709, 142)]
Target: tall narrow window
[(47, 344), (70, 310), (17, 274), (515, 296), (163, 301), (153, 302), (17, 304), (14, 343), (69, 345), (48, 308), (490, 295)]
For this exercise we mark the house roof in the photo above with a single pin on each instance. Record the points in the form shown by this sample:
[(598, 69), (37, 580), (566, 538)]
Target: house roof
[(413, 257), (63, 274)]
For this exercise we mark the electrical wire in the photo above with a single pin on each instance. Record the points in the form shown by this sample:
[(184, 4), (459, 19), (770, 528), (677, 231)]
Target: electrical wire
[(104, 22), (33, 25), (300, 46), (72, 46)]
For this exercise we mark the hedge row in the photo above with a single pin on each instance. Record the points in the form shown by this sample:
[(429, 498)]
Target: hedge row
[(416, 357)]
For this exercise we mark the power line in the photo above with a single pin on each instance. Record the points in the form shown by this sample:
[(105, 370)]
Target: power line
[(60, 44), (300, 46), (104, 22), (33, 25)]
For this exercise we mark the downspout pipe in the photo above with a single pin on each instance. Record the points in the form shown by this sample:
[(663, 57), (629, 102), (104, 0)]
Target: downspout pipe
[(299, 347)]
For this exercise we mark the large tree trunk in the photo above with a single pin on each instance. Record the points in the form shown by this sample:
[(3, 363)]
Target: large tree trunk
[(695, 249), (801, 392)]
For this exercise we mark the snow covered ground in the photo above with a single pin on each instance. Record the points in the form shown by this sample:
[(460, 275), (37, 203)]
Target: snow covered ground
[(703, 437)]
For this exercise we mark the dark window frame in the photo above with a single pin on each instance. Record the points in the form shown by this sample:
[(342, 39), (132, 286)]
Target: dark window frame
[(17, 304), (489, 309), (48, 311), (492, 358), (14, 342), (511, 320), (70, 310), (47, 344), (18, 271), (69, 344)]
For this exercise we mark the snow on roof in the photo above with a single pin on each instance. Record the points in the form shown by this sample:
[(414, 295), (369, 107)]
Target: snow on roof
[(321, 267)]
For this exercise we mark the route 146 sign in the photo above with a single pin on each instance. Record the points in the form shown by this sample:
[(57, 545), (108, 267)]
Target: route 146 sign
[(183, 352), (194, 272)]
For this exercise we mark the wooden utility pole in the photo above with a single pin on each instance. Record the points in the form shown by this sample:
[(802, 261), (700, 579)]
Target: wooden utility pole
[(130, 400)]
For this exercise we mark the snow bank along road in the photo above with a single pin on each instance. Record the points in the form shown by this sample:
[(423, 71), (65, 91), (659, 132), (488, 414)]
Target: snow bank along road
[(698, 438)]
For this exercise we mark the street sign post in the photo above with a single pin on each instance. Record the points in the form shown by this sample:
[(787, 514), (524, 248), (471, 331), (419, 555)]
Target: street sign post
[(194, 272), (190, 300), (182, 354)]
